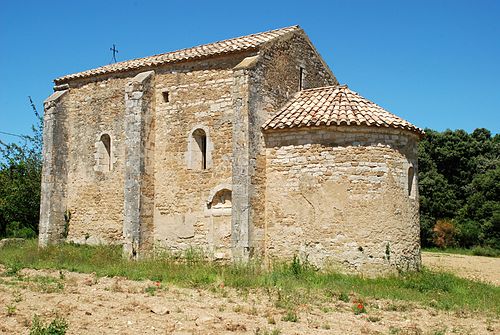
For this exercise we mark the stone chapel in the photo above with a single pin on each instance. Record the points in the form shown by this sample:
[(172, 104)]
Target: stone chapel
[(242, 148)]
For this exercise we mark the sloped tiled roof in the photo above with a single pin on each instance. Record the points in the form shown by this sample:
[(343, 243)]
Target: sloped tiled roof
[(244, 43), (334, 106)]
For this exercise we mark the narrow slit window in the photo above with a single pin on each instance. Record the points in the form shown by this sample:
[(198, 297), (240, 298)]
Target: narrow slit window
[(411, 176), (301, 78), (204, 152)]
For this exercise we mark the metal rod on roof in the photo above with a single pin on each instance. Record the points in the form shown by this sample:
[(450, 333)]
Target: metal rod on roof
[(115, 51)]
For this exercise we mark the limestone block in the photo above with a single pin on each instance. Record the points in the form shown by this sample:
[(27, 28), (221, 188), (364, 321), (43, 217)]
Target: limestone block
[(175, 226)]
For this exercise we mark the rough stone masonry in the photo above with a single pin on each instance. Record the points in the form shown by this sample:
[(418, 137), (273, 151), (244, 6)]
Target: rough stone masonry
[(243, 148)]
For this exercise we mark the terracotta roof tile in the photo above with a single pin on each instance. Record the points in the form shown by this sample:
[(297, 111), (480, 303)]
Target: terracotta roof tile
[(334, 106), (244, 43)]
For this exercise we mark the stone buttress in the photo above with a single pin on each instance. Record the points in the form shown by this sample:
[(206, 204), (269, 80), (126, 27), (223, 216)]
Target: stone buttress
[(54, 171), (139, 181)]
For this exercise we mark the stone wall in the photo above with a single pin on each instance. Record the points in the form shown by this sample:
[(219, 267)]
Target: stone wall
[(95, 193), (274, 80), (112, 126), (183, 98), (341, 197), (200, 101)]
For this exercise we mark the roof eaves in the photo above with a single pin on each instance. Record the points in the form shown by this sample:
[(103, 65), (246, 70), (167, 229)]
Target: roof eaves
[(229, 46), (282, 120)]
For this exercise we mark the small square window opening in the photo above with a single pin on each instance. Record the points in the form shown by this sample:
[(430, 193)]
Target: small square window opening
[(165, 96)]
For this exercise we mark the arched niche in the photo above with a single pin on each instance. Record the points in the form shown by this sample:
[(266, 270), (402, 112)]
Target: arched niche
[(218, 208)]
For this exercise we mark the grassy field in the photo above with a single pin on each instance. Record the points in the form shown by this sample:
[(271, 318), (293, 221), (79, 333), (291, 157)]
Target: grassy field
[(292, 283)]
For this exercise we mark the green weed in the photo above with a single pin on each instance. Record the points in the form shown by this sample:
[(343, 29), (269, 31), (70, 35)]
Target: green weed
[(58, 326), (343, 296), (359, 308), (290, 316), (46, 284), (17, 295), (394, 330), (13, 267), (258, 331), (11, 310), (151, 290)]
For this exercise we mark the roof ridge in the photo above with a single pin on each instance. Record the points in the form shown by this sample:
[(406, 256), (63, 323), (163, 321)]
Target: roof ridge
[(215, 42), (226, 46)]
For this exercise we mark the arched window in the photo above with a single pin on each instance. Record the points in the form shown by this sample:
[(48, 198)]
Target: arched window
[(103, 154), (199, 150), (411, 182), (106, 142)]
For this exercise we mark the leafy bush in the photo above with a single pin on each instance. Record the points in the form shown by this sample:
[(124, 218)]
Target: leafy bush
[(485, 251), (444, 234)]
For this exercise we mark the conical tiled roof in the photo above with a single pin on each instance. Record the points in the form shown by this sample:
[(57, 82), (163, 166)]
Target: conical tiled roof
[(334, 106), (244, 43)]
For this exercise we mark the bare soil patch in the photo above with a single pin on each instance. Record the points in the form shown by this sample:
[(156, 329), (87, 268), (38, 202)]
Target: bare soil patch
[(118, 306), (486, 269)]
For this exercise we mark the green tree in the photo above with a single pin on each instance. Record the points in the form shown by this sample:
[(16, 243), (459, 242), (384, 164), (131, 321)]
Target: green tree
[(459, 180), (20, 182), (479, 219)]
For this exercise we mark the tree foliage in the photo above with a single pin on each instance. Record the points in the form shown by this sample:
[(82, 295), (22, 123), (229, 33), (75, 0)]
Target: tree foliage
[(459, 180), (20, 182)]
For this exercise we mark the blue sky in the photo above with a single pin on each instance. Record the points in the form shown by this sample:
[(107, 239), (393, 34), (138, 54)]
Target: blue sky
[(434, 63)]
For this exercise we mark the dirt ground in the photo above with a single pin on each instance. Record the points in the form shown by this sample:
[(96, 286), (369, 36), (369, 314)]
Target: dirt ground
[(120, 306), (477, 268)]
